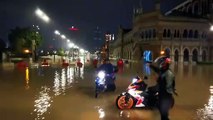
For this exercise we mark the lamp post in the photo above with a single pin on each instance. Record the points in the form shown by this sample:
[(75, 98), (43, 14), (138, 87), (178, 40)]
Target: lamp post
[(40, 14), (54, 53)]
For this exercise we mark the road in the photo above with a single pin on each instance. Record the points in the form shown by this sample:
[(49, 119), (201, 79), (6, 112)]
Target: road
[(56, 93)]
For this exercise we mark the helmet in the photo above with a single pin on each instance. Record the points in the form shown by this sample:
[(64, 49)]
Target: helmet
[(163, 62)]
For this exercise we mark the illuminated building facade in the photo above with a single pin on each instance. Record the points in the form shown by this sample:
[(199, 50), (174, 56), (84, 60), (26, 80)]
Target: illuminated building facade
[(182, 32), (106, 49)]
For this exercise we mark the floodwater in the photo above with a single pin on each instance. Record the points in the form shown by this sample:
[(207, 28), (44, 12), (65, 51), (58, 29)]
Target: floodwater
[(56, 93)]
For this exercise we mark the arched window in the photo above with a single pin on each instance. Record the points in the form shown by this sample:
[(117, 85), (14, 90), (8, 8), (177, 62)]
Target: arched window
[(196, 10), (176, 55), (175, 34), (169, 33), (196, 34), (204, 7), (146, 34), (185, 33), (154, 33), (164, 33), (190, 33), (142, 35), (189, 10), (195, 55), (150, 33), (185, 55), (178, 33)]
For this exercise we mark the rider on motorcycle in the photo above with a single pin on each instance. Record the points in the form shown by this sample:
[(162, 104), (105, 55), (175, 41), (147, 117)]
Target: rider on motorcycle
[(110, 70)]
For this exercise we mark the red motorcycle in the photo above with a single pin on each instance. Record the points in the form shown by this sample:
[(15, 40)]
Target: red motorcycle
[(137, 95)]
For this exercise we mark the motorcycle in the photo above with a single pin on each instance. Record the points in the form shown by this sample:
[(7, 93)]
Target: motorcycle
[(104, 82), (137, 97)]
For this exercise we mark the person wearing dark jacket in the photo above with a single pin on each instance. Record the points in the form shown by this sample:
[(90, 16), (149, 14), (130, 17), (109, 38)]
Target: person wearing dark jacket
[(165, 85), (110, 71)]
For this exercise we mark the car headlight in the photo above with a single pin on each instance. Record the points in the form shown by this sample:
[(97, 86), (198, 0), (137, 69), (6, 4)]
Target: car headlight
[(101, 74)]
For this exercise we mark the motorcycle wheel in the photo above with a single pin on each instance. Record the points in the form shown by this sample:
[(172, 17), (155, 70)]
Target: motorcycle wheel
[(121, 103)]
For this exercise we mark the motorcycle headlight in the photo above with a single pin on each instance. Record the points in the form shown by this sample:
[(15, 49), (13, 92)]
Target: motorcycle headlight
[(101, 74), (134, 80)]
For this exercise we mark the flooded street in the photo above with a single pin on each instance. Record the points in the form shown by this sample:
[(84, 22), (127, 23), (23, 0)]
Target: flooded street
[(56, 93)]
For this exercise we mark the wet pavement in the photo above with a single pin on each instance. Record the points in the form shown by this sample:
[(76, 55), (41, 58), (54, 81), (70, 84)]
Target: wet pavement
[(56, 93)]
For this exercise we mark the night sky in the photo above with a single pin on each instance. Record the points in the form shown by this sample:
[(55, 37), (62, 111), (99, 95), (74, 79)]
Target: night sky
[(86, 15)]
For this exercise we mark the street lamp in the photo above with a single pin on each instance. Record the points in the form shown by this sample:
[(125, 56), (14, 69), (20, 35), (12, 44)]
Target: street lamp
[(162, 52), (68, 40), (57, 32), (63, 36), (211, 28), (42, 15), (26, 51), (39, 13)]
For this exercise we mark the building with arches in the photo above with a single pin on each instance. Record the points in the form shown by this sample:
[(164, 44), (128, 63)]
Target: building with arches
[(182, 32)]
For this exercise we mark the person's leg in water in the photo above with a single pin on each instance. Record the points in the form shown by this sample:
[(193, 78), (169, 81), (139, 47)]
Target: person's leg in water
[(165, 104)]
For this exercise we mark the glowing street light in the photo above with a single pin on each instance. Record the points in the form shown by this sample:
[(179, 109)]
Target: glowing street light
[(63, 36), (75, 46), (162, 52), (211, 28), (57, 32), (70, 45), (26, 51), (42, 15), (82, 51)]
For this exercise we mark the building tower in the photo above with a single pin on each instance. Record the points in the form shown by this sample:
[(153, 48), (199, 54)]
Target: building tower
[(98, 38)]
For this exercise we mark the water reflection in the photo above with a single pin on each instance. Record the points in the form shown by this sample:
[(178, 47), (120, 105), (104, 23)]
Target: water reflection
[(206, 113), (63, 80), (101, 112), (79, 73), (124, 114), (27, 78), (56, 86), (40, 71), (42, 103), (146, 69), (70, 75)]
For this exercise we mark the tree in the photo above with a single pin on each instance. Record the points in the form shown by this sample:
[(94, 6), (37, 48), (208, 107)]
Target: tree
[(22, 38), (61, 52)]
